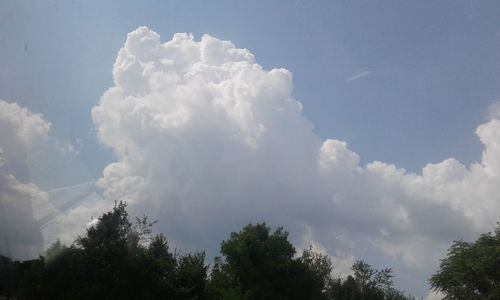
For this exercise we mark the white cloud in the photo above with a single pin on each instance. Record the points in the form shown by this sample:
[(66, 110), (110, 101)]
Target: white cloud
[(67, 224), (206, 140), (494, 110), (20, 129), (65, 148), (20, 236), (434, 296), (29, 218), (21, 132)]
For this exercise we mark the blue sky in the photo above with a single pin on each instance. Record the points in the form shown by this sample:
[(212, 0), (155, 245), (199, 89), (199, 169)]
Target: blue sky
[(433, 66), (405, 83)]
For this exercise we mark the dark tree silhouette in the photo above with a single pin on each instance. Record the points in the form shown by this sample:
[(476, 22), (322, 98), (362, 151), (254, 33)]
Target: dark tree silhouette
[(116, 259)]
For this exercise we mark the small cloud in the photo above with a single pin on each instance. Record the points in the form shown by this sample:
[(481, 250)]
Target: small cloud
[(92, 222), (66, 148), (494, 110), (357, 76), (434, 296)]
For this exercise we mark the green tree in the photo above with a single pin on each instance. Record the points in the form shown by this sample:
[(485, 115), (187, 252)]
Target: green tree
[(315, 275), (260, 264), (470, 270), (162, 268), (257, 261), (221, 285), (191, 277), (109, 250), (366, 283), (116, 259)]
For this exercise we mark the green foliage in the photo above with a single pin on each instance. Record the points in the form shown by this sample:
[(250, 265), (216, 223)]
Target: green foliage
[(116, 259), (191, 277), (471, 270), (366, 283), (249, 260), (316, 273), (258, 264)]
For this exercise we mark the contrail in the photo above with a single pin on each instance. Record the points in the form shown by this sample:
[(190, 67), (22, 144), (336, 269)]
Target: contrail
[(66, 187), (358, 75), (44, 221)]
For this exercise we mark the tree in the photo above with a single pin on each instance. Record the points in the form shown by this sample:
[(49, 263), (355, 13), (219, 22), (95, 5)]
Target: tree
[(221, 285), (191, 277), (161, 268), (116, 259), (109, 251), (260, 264), (316, 271), (347, 289), (366, 283), (257, 261), (470, 270)]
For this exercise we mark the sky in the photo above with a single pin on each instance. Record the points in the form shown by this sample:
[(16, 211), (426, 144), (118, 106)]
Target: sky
[(367, 128)]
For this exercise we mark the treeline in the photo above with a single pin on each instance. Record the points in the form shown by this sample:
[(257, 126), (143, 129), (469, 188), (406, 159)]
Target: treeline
[(116, 259)]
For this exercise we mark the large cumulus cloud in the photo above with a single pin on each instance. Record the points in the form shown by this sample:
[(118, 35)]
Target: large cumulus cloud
[(208, 140)]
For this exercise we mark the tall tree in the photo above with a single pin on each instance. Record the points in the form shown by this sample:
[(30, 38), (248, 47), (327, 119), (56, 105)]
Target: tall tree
[(191, 277), (366, 283), (260, 264), (257, 261), (116, 259)]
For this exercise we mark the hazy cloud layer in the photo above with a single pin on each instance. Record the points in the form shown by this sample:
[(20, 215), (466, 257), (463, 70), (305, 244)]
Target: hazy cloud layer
[(206, 140), (31, 218), (21, 132)]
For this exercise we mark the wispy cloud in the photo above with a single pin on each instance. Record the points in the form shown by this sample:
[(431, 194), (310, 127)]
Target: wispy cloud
[(69, 187), (357, 76), (494, 111)]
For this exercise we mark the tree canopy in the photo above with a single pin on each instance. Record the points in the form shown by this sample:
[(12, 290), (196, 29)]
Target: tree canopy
[(118, 259), (470, 270), (258, 264)]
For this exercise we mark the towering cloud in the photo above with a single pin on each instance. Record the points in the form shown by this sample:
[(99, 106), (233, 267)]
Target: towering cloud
[(208, 140)]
